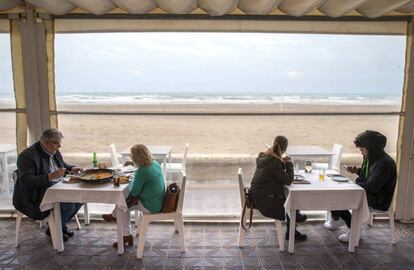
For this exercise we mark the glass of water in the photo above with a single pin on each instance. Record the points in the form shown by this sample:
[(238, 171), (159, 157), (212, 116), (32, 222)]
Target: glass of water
[(308, 166)]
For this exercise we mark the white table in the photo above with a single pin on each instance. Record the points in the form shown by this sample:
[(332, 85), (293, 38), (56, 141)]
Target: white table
[(311, 151), (83, 193), (162, 152), (5, 149), (327, 195)]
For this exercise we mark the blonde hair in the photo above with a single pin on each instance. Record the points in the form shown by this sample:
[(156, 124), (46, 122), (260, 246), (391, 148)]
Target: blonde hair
[(141, 155)]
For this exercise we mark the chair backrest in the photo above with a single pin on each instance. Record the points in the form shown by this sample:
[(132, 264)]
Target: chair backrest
[(182, 193), (185, 155), (114, 157), (241, 186), (336, 156), (14, 176)]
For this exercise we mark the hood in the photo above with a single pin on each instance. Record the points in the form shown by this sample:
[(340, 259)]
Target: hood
[(371, 140), (264, 159)]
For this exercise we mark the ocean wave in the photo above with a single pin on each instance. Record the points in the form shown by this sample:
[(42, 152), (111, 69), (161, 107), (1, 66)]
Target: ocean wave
[(223, 99)]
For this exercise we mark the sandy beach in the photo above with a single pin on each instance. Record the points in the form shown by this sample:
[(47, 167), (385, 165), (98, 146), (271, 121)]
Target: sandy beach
[(212, 134)]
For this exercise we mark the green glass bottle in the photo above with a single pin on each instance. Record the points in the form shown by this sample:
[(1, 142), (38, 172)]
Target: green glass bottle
[(94, 160)]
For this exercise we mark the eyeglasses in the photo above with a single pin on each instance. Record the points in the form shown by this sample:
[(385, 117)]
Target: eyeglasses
[(56, 142)]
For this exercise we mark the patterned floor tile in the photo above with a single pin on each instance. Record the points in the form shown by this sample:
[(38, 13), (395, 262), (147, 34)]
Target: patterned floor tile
[(208, 246)]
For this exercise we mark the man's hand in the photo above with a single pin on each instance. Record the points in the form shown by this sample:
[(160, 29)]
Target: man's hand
[(56, 174), (77, 170), (352, 169)]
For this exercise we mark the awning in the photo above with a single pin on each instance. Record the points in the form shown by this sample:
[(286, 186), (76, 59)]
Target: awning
[(296, 8)]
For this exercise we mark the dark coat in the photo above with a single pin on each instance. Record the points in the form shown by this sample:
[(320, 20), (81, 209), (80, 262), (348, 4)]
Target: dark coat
[(267, 188), (32, 180), (380, 183)]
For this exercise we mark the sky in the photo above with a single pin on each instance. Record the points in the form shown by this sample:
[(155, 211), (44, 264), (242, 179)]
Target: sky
[(223, 62)]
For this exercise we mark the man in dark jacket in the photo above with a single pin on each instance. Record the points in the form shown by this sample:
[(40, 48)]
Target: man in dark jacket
[(377, 175), (39, 167)]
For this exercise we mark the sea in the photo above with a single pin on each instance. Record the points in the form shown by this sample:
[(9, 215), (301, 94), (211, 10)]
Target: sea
[(217, 98)]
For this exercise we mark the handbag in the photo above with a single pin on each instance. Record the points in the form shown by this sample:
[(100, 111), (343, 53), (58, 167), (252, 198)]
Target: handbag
[(171, 198), (131, 201), (248, 203)]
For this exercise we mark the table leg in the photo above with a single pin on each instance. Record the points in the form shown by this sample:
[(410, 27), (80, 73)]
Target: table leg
[(86, 216), (120, 226), (5, 176), (355, 227), (292, 216), (55, 227)]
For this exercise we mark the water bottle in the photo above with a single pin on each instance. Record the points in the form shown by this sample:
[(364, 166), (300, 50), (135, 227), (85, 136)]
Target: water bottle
[(94, 160)]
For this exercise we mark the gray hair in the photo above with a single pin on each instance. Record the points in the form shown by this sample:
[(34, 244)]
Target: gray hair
[(51, 134)]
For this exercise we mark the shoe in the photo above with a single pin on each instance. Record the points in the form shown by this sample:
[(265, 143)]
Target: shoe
[(344, 237), (298, 236), (300, 217), (108, 218), (127, 240), (64, 236), (68, 233), (333, 224)]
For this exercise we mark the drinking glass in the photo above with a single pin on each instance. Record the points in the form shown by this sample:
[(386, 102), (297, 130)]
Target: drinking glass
[(321, 175), (308, 166)]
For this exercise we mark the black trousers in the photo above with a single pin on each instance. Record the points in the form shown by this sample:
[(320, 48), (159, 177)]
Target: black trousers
[(344, 214)]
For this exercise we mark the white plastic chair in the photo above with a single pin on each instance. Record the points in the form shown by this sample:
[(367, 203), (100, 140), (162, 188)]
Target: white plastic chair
[(114, 157), (177, 217), (390, 214), (278, 223), (336, 159), (177, 167), (5, 169), (20, 215)]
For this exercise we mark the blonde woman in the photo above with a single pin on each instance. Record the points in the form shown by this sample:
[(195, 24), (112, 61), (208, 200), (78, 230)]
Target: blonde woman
[(146, 190)]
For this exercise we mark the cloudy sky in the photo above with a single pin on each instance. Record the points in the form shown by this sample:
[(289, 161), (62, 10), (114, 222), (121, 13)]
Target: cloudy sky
[(223, 62)]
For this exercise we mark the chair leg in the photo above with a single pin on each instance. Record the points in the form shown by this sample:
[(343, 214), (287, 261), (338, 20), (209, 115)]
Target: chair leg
[(77, 222), (240, 239), (392, 226), (136, 218), (178, 222), (42, 223), (18, 223), (86, 214), (279, 234), (370, 221), (141, 240)]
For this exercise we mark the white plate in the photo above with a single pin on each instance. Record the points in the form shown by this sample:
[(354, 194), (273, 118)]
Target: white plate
[(340, 178), (298, 177)]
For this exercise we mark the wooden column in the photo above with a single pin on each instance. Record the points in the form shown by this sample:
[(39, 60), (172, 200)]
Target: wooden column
[(405, 158)]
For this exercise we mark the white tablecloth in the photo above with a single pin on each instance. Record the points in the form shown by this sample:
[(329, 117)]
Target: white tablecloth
[(327, 195), (82, 193)]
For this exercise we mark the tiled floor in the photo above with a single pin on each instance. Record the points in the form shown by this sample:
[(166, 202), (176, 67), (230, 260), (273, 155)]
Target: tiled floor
[(209, 246)]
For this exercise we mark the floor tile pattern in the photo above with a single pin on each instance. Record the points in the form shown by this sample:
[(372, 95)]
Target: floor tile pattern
[(209, 246)]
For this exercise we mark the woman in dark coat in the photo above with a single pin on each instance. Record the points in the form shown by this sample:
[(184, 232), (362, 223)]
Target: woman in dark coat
[(267, 189)]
